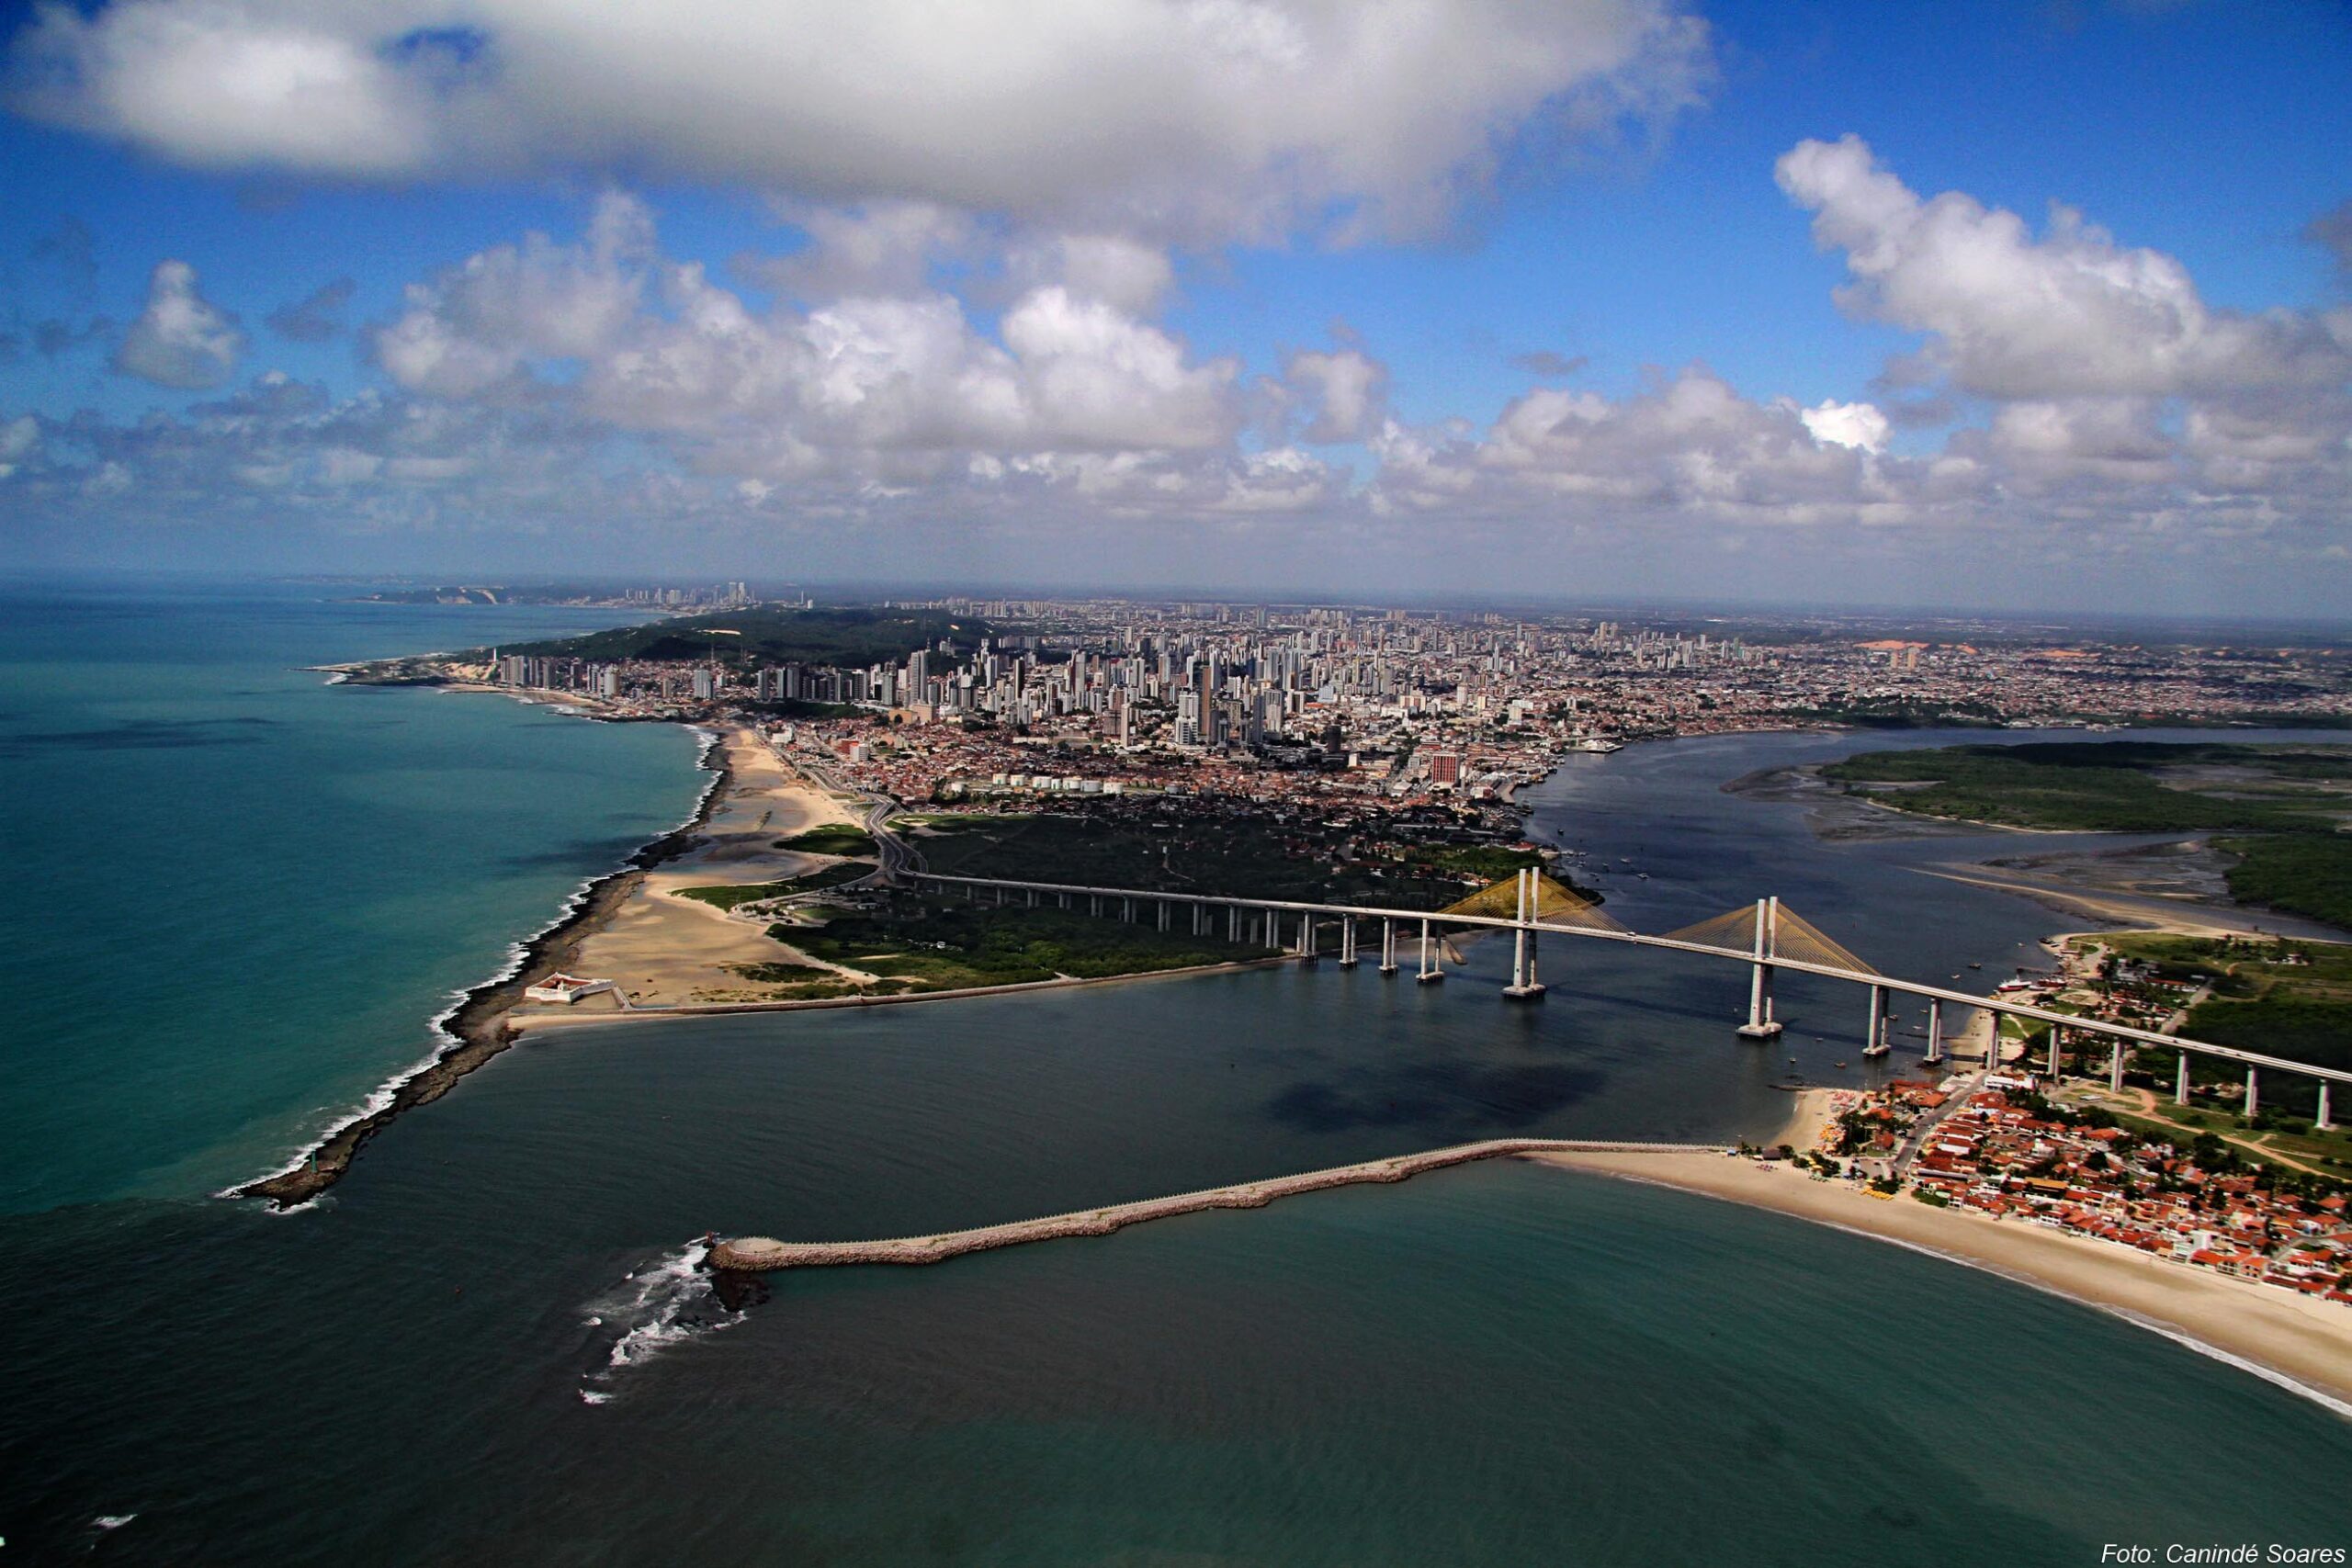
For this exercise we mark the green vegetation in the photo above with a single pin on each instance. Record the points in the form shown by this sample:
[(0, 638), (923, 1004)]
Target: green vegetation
[(834, 839), (2302, 873), (840, 637), (936, 943), (2296, 797), (1488, 862), (2280, 998), (1251, 855), (794, 707), (1904, 713), (777, 974), (816, 881), (2113, 787)]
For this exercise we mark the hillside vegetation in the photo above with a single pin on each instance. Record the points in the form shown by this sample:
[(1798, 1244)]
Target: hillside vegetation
[(848, 637)]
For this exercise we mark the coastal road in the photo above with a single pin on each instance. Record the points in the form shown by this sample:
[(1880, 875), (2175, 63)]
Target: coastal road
[(893, 853), (1925, 1128)]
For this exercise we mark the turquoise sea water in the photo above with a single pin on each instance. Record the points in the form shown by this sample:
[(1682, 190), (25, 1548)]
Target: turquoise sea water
[(238, 895), (483, 1347)]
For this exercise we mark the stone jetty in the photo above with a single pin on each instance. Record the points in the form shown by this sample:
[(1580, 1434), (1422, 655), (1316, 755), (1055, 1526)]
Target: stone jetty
[(757, 1254)]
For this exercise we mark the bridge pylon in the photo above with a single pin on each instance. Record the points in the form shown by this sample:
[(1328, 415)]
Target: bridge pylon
[(1768, 930), (1525, 987), (1530, 901)]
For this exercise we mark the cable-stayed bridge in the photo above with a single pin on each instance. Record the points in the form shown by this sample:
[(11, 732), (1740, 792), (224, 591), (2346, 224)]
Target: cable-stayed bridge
[(1767, 936)]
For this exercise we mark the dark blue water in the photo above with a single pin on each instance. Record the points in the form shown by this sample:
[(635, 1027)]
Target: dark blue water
[(481, 1346)]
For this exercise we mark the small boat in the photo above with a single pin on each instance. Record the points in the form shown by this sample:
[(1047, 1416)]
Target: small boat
[(1976, 966), (1839, 1063)]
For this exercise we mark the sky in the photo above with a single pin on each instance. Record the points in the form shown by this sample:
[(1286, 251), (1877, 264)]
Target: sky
[(2023, 304)]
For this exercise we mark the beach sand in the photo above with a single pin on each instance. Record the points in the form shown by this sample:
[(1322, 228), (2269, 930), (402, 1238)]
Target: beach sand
[(1815, 1111), (661, 948), (2140, 912), (2305, 1341)]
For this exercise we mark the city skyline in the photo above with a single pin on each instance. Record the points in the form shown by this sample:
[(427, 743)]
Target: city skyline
[(2039, 308)]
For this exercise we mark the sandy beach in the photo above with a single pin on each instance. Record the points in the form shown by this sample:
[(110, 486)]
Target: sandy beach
[(1814, 1113), (662, 950), (2306, 1342)]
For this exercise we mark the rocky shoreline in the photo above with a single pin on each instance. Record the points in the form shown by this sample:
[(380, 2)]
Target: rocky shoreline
[(478, 1028)]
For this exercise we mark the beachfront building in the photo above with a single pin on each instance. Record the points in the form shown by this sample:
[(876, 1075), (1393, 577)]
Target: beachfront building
[(566, 988)]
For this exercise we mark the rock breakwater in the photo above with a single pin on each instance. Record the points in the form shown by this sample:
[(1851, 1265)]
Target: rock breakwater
[(761, 1254)]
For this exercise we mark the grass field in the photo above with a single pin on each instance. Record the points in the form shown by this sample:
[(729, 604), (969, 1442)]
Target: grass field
[(729, 896), (834, 839)]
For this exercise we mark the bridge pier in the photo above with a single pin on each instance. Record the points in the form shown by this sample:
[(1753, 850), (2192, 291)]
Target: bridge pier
[(2055, 1046), (1760, 1024), (2321, 1120), (2115, 1066), (1163, 914), (1127, 910), (2252, 1101), (1199, 910), (1307, 953), (1347, 941), (1877, 1045), (1233, 924), (1065, 897), (1387, 946), (1273, 930), (1431, 973), (1032, 897), (1935, 1029), (2180, 1082)]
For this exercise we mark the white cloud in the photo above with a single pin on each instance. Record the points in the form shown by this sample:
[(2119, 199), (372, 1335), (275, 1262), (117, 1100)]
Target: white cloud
[(181, 340), (1858, 426), (19, 439), (880, 247), (1125, 274), (1688, 445), (1348, 389), (893, 388), (2069, 314), (475, 326), (1188, 117)]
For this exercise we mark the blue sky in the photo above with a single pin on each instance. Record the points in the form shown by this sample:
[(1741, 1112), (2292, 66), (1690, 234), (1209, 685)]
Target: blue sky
[(1214, 292)]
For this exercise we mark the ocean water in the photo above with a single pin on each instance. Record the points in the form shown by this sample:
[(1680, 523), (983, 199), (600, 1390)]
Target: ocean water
[(488, 1344), (237, 895)]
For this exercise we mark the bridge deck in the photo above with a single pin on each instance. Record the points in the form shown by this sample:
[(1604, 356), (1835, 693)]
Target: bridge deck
[(1636, 938)]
